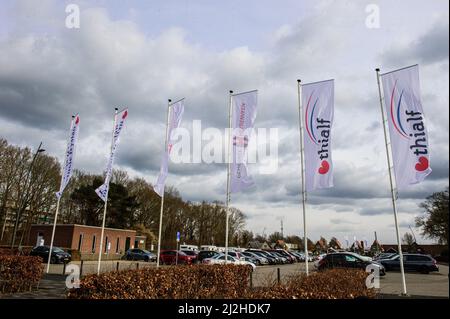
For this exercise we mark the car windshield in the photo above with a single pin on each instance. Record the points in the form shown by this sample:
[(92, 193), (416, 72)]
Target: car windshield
[(146, 251), (189, 252), (222, 257), (57, 250)]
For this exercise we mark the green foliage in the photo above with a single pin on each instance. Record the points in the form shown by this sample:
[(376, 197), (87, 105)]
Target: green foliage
[(434, 222)]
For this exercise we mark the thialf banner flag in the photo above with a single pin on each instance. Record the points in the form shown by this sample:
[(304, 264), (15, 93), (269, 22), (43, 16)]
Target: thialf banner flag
[(318, 112), (119, 123), (176, 111), (70, 151), (242, 121), (407, 130)]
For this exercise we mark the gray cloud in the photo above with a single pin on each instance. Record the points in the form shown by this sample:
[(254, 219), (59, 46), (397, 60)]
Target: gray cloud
[(47, 76), (431, 47)]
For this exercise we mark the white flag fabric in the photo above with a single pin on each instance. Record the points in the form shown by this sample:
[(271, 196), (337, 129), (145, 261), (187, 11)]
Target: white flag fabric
[(70, 151), (318, 113), (408, 133), (119, 123), (176, 111), (243, 117)]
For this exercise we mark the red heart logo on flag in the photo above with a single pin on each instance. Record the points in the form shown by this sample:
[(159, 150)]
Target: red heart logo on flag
[(77, 120), (125, 114), (423, 164), (324, 168)]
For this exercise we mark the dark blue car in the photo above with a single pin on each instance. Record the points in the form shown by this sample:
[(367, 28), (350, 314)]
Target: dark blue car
[(411, 262), (140, 254)]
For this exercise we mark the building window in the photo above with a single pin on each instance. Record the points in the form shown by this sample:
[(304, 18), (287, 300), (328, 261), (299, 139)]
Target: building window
[(106, 244), (93, 243), (117, 245), (80, 241)]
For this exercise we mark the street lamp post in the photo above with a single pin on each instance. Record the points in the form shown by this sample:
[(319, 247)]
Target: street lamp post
[(23, 202)]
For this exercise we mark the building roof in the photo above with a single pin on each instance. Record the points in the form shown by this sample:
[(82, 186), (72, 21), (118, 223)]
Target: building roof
[(78, 225)]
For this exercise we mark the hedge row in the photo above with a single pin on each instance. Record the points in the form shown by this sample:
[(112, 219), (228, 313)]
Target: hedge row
[(181, 282), (329, 284), (212, 281), (19, 273)]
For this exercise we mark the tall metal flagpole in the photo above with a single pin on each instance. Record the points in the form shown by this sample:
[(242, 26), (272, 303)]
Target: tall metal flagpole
[(302, 151), (162, 195), (106, 203), (57, 211), (230, 150), (393, 193)]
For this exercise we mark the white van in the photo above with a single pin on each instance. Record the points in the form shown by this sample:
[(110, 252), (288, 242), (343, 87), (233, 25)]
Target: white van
[(189, 247), (208, 247)]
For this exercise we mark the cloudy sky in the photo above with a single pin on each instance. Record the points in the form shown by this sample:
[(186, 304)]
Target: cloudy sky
[(140, 53)]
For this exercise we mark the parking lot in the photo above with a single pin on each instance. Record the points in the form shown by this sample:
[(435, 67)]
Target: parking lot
[(432, 285)]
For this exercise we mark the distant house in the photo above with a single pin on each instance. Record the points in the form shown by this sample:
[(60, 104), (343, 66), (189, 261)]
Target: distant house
[(279, 244), (335, 244), (290, 246), (254, 245), (376, 247), (258, 245), (320, 246), (357, 246)]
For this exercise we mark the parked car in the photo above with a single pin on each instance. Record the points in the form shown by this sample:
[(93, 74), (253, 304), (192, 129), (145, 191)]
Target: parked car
[(347, 260), (57, 256), (280, 258), (384, 256), (140, 254), (412, 262), (192, 253), (235, 254), (283, 253), (220, 260), (169, 257), (206, 254), (301, 256), (297, 256), (272, 260), (258, 259)]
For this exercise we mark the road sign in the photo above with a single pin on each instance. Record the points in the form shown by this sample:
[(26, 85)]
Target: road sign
[(178, 236)]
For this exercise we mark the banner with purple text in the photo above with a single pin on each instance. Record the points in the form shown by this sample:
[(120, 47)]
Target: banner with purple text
[(243, 112), (70, 151), (318, 113), (176, 111), (407, 130), (119, 123)]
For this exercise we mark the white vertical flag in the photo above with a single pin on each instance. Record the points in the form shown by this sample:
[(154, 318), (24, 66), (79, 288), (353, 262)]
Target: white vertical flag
[(176, 111), (243, 118), (318, 112), (70, 151), (409, 138), (119, 122)]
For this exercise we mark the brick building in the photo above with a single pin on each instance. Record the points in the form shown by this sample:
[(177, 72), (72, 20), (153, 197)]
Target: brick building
[(86, 239)]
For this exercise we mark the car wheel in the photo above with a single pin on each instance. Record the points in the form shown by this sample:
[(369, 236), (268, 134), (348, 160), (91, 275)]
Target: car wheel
[(53, 260), (146, 259)]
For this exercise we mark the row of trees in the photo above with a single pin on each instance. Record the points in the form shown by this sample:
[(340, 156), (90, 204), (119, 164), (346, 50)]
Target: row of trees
[(26, 189), (27, 194)]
